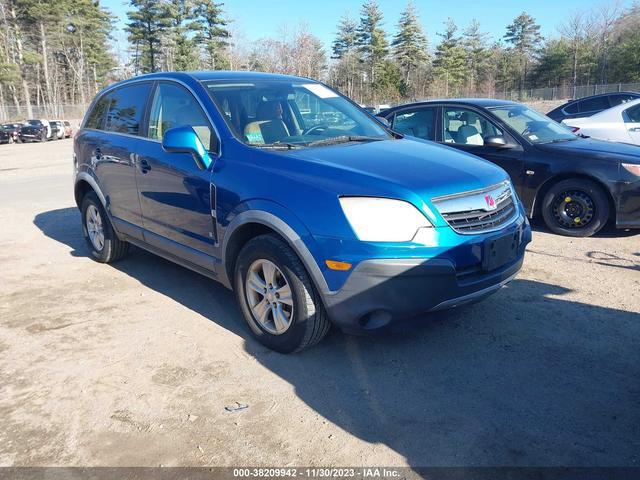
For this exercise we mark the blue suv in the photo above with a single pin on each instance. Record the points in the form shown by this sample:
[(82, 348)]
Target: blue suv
[(293, 196)]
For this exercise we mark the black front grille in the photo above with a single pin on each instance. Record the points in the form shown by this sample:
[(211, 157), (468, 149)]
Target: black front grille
[(481, 220)]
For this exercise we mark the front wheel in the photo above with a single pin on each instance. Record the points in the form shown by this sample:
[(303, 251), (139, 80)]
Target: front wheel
[(278, 300), (576, 208)]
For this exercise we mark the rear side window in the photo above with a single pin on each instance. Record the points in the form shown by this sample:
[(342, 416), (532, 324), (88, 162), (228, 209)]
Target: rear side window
[(419, 123), (95, 119), (594, 104), (619, 99), (126, 109)]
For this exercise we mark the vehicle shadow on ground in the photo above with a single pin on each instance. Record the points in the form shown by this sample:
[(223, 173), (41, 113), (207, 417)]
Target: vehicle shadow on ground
[(529, 377)]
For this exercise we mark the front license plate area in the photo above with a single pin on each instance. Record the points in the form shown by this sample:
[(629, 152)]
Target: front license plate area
[(498, 251)]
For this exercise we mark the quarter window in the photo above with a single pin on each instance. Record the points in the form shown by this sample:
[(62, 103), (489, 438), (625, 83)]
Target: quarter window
[(126, 109), (173, 106), (419, 123), (95, 119)]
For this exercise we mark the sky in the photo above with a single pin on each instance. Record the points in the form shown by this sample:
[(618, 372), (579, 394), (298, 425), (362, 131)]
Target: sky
[(256, 19)]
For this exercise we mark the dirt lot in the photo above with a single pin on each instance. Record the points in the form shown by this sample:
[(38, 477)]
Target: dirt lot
[(133, 364)]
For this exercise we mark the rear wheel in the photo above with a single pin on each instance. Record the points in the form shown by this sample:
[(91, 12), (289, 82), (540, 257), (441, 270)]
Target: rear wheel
[(102, 240), (576, 208), (278, 300)]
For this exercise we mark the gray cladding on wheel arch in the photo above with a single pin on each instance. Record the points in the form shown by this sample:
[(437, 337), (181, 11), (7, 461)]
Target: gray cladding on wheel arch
[(292, 238)]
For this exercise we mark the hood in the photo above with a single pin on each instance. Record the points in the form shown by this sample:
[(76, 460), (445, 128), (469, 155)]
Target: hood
[(426, 168), (589, 148)]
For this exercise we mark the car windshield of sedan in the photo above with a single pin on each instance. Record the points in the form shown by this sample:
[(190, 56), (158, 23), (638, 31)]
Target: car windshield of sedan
[(286, 114), (533, 126)]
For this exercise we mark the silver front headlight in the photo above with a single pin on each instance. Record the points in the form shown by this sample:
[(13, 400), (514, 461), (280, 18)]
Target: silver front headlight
[(383, 219)]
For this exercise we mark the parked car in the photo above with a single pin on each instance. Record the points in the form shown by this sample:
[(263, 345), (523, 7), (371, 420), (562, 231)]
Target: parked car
[(68, 131), (13, 129), (37, 130), (346, 223), (618, 124), (57, 129), (587, 106), (5, 136), (577, 185)]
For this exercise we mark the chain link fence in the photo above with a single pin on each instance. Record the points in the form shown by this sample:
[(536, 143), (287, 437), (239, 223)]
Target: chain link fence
[(551, 96), (12, 113)]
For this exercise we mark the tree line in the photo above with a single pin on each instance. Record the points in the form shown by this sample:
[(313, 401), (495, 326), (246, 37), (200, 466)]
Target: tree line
[(52, 52), (60, 52)]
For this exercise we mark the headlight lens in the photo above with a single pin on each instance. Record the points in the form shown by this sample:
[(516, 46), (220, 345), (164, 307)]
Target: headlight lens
[(632, 168), (383, 219)]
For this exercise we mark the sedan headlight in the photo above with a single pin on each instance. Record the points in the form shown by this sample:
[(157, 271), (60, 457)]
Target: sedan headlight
[(632, 168), (383, 219)]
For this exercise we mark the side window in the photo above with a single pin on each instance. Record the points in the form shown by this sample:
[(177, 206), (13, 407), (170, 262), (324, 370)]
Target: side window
[(173, 106), (95, 119), (466, 127), (620, 99), (594, 104), (571, 108), (126, 109), (632, 115), (419, 123)]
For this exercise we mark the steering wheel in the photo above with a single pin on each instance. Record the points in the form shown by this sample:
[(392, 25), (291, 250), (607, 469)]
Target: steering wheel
[(318, 128)]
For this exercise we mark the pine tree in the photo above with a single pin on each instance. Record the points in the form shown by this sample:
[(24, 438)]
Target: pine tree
[(372, 40), (212, 34), (183, 52), (450, 64), (147, 22), (410, 44), (524, 36), (346, 40), (478, 55)]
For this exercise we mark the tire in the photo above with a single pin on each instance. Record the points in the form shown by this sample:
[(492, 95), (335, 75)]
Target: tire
[(308, 321), (43, 137), (575, 207), (112, 248)]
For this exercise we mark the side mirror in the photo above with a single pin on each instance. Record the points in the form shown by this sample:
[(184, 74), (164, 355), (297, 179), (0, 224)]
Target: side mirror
[(384, 121), (497, 142), (184, 140)]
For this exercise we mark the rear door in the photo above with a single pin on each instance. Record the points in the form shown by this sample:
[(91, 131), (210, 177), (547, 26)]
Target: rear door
[(419, 122), (115, 148), (177, 198), (631, 118), (465, 129)]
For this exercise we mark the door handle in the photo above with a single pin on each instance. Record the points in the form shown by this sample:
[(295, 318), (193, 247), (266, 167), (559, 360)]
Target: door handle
[(144, 165), (634, 129)]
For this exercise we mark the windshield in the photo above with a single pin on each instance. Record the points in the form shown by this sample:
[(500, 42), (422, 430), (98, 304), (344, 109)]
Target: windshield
[(533, 126), (33, 122), (280, 113)]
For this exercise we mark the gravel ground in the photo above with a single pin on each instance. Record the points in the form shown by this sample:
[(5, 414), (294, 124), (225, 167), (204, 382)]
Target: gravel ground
[(133, 364)]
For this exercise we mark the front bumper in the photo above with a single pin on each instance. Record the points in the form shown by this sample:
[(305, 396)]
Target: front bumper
[(628, 215), (382, 291)]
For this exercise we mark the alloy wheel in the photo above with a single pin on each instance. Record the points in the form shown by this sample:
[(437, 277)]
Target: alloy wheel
[(269, 297), (95, 228)]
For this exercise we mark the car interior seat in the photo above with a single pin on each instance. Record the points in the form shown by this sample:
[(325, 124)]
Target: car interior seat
[(468, 134), (267, 128)]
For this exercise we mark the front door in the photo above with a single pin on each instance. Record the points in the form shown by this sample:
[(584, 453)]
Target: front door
[(466, 129), (177, 198)]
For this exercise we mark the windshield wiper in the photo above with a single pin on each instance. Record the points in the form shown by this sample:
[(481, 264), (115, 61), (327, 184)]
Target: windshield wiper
[(558, 140), (344, 139), (275, 146)]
